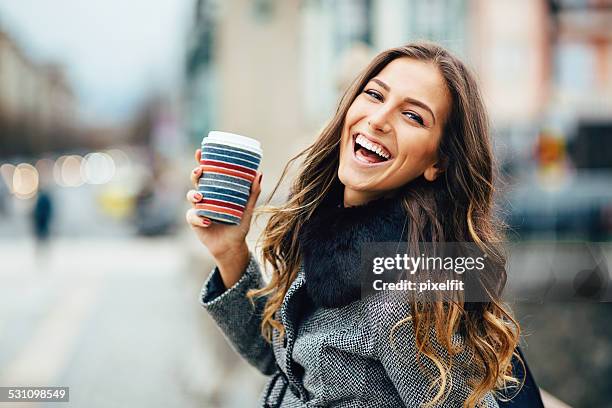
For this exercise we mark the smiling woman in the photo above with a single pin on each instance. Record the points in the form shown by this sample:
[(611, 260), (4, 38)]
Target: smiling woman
[(406, 158)]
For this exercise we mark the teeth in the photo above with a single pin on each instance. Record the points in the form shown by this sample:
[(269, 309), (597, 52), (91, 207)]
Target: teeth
[(363, 141)]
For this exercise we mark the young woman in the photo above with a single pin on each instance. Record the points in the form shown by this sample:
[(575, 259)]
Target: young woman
[(407, 157)]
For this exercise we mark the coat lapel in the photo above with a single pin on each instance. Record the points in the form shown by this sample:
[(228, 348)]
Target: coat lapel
[(289, 315)]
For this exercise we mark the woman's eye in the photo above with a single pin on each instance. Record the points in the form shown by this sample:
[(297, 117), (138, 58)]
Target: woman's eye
[(374, 94), (414, 117)]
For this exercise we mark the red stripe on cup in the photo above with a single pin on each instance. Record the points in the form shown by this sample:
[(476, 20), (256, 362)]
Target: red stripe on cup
[(221, 203), (219, 209), (229, 166), (221, 170)]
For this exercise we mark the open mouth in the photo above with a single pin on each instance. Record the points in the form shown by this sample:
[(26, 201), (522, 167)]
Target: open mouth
[(367, 152)]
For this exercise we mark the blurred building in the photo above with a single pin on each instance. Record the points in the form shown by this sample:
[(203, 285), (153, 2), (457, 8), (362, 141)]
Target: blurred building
[(37, 105), (553, 72), (200, 73), (582, 44), (512, 60), (242, 74), (582, 92)]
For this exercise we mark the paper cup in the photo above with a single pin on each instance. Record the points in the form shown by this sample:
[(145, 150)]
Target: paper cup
[(229, 163)]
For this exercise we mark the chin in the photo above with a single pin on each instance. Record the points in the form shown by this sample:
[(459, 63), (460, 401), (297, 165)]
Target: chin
[(355, 182)]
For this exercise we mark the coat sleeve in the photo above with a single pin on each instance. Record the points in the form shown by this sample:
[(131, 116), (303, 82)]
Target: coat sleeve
[(399, 358), (238, 320)]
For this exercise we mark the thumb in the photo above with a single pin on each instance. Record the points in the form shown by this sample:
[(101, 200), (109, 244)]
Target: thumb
[(252, 201)]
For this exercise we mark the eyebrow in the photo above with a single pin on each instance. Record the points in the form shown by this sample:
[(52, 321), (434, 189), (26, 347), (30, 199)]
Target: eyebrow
[(407, 99)]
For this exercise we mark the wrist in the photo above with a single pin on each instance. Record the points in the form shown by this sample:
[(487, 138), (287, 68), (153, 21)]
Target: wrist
[(231, 254), (232, 264)]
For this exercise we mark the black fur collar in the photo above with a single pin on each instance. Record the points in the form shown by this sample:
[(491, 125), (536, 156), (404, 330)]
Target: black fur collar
[(331, 242)]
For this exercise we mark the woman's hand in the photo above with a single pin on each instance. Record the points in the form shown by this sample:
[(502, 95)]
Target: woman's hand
[(226, 243)]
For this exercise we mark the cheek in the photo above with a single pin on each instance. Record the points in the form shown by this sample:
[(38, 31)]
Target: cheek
[(355, 112), (418, 148), (416, 155), (353, 115)]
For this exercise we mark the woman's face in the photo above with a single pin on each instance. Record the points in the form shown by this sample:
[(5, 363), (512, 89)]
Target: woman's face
[(392, 130)]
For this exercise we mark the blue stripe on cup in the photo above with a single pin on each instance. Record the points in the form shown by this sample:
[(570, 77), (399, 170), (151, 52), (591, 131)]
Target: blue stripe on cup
[(232, 148), (241, 146), (219, 151), (224, 184), (226, 177), (228, 159), (225, 197), (221, 190)]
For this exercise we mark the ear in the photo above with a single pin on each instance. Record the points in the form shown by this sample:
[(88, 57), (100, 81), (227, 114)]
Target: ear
[(433, 171)]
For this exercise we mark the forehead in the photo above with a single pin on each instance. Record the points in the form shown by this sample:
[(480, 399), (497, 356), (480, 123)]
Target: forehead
[(416, 79)]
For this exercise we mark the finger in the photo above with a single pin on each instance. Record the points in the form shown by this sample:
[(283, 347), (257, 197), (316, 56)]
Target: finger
[(198, 155), (195, 220), (195, 176), (194, 196), (252, 201)]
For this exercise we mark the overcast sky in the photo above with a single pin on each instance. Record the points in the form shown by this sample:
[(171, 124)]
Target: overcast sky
[(113, 51)]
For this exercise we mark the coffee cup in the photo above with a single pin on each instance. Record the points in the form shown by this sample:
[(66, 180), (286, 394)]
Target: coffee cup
[(229, 164)]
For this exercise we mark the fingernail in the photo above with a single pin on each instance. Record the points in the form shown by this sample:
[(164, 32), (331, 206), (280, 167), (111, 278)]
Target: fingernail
[(206, 222), (198, 196), (196, 171)]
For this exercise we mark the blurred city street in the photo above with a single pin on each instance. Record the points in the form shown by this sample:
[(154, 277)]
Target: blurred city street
[(112, 316), (118, 321), (95, 315)]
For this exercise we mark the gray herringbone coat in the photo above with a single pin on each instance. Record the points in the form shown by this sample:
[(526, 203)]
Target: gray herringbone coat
[(332, 357)]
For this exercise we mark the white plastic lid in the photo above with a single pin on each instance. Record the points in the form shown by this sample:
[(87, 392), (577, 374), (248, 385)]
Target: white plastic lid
[(234, 139)]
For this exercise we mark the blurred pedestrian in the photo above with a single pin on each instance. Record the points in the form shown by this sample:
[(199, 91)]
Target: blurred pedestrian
[(42, 217)]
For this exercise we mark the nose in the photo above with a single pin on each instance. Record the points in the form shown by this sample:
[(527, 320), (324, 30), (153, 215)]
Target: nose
[(378, 120)]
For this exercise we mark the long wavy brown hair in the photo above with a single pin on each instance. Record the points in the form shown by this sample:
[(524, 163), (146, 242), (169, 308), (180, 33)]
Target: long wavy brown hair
[(457, 207)]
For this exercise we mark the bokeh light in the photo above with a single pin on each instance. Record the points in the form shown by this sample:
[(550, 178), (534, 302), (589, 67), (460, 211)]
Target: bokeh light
[(71, 171), (25, 181), (57, 171), (120, 158), (97, 168)]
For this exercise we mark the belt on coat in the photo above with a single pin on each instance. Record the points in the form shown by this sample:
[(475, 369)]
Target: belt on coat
[(278, 375)]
